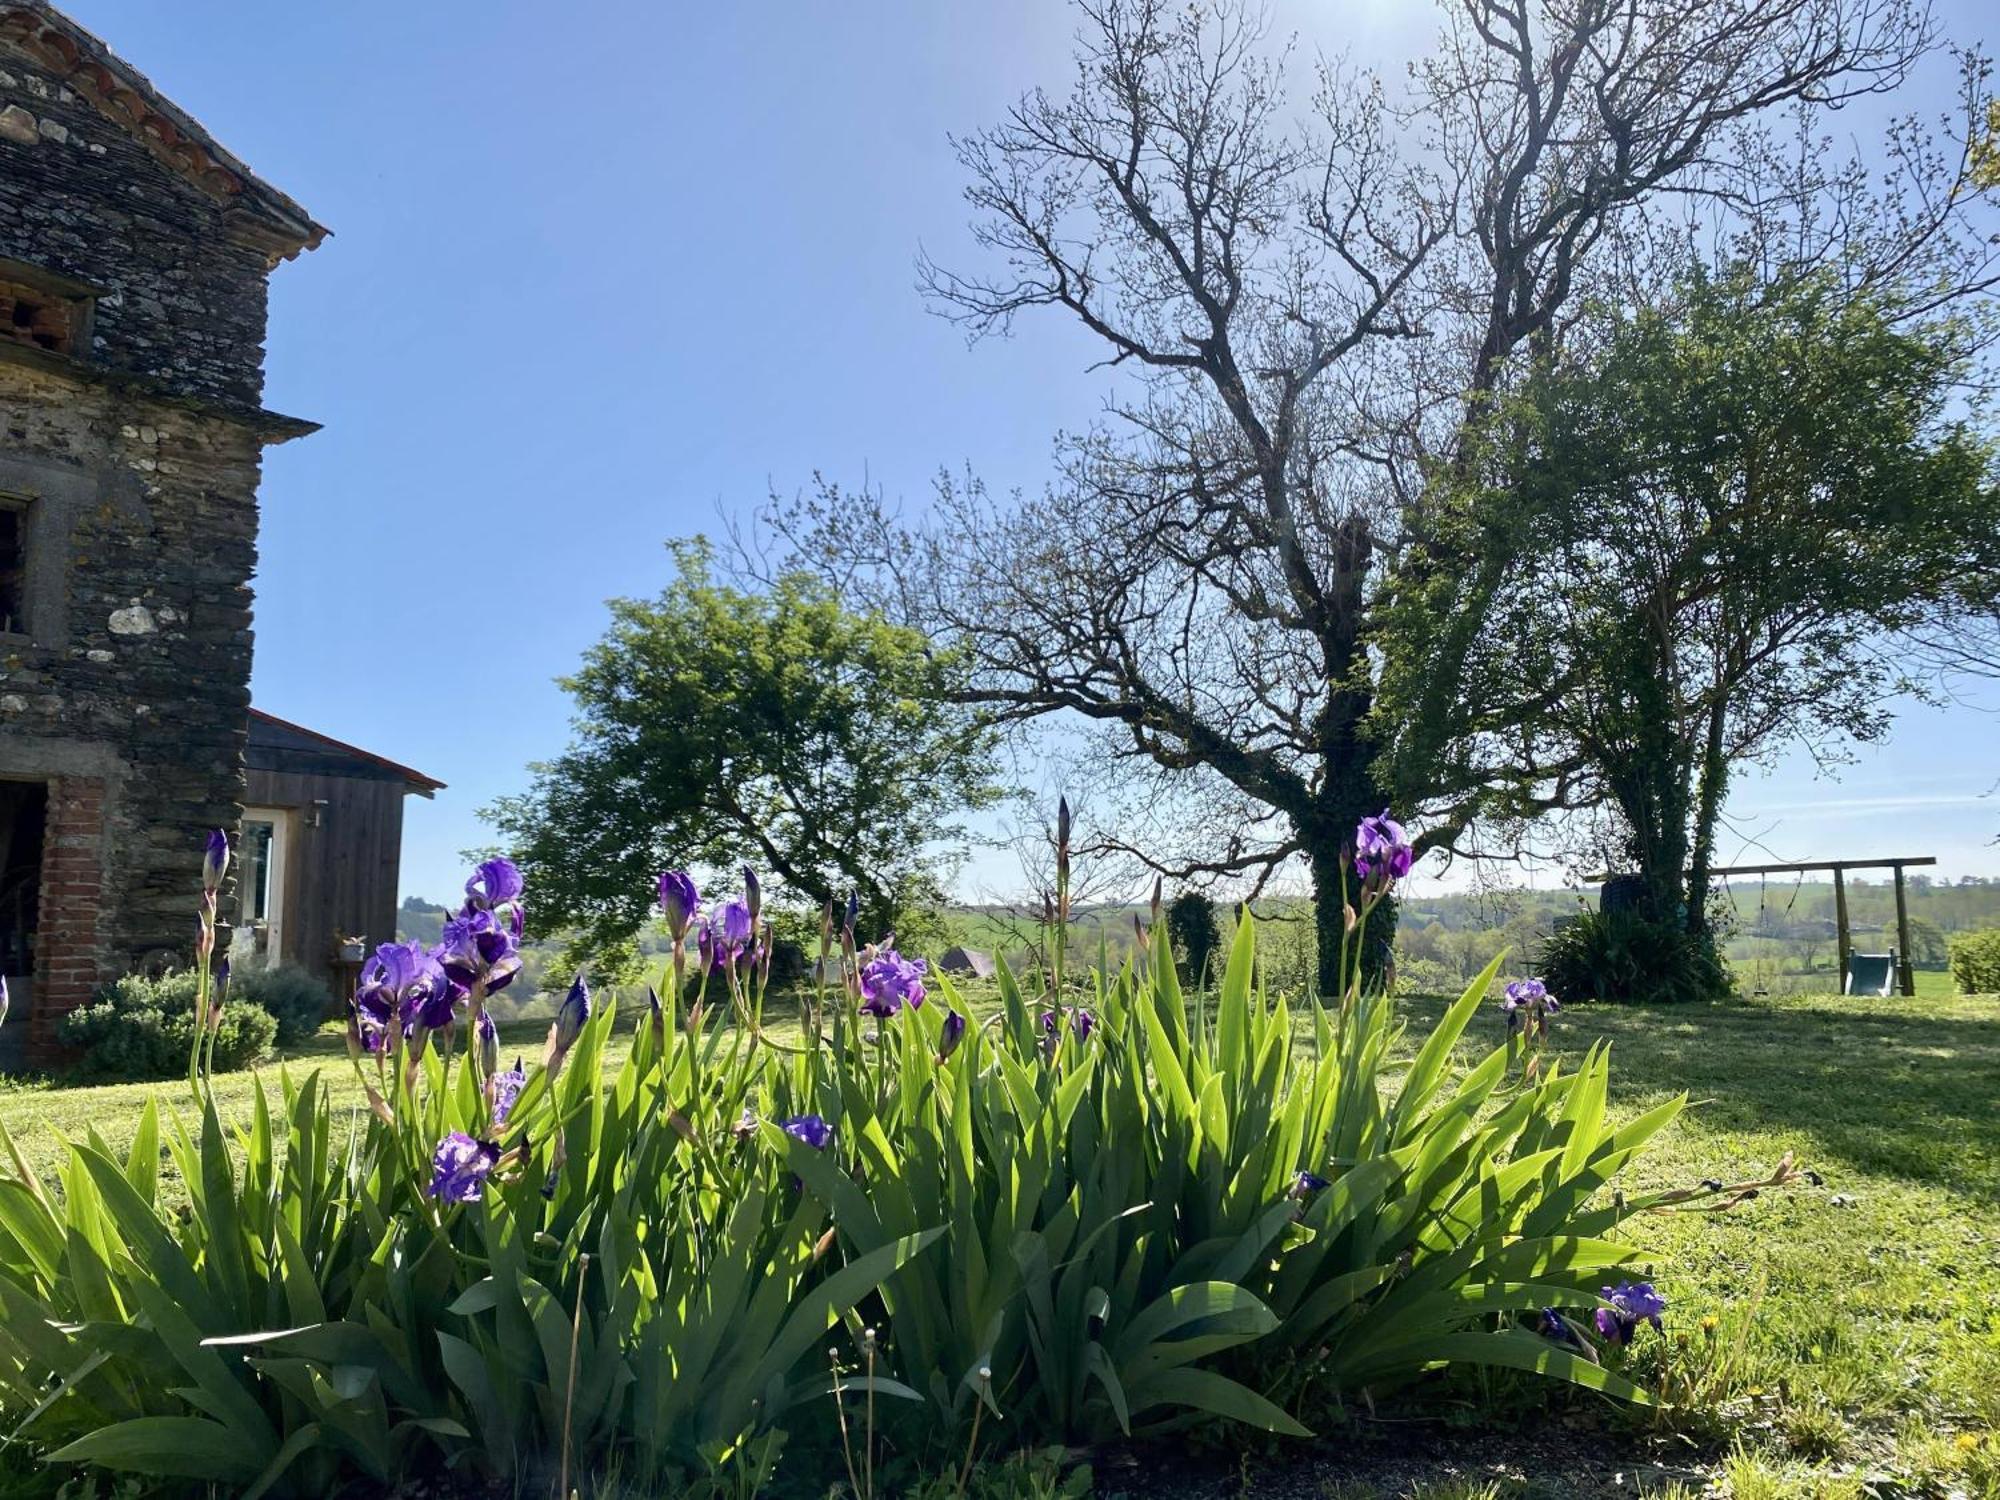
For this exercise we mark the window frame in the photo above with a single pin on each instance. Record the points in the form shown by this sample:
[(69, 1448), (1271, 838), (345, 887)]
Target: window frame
[(22, 507), (80, 296), (274, 874)]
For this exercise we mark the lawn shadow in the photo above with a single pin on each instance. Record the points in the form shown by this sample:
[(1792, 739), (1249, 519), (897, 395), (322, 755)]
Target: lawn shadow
[(1877, 1086)]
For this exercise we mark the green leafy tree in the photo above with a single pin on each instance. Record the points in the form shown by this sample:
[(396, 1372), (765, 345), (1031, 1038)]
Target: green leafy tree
[(1929, 947), (1733, 503), (716, 726), (1308, 305)]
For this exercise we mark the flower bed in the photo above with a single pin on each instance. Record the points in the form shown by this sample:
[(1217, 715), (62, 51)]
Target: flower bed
[(1108, 1208)]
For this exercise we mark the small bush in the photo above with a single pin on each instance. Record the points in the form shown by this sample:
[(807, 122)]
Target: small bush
[(297, 1000), (1627, 958), (141, 1027), (1975, 963)]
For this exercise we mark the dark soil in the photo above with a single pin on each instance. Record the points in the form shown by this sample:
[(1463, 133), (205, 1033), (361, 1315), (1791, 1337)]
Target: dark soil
[(1390, 1460)]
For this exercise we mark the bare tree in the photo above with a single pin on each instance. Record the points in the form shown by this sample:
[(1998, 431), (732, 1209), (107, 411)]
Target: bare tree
[(1020, 916), (1302, 315)]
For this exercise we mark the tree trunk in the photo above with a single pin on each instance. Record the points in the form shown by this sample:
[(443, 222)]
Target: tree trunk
[(1329, 920), (1648, 775), (1347, 795), (1348, 791), (1378, 940), (1708, 808)]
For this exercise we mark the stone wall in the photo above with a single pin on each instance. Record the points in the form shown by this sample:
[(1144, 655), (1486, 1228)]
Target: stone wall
[(181, 300), (130, 423), (130, 698)]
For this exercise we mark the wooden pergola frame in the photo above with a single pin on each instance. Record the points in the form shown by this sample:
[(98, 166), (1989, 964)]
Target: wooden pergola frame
[(1906, 977)]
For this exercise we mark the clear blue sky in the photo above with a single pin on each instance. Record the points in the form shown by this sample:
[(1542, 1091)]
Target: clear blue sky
[(602, 270)]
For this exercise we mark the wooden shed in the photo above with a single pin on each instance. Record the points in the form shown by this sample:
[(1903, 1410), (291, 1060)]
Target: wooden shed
[(968, 961), (321, 843)]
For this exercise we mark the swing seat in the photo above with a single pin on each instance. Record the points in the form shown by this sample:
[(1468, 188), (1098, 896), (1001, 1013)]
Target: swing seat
[(1871, 974)]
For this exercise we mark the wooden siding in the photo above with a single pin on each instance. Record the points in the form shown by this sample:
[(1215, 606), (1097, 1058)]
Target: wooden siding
[(342, 873)]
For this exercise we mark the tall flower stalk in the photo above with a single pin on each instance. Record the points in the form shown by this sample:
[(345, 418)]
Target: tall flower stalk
[(214, 866), (1380, 856)]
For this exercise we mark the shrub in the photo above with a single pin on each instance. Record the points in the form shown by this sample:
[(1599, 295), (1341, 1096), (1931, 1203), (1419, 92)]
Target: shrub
[(1425, 976), (1975, 963), (1628, 958), (297, 1000), (1103, 1210), (140, 1027)]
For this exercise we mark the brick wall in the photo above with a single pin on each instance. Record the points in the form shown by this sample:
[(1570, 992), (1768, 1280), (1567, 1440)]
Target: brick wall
[(69, 962)]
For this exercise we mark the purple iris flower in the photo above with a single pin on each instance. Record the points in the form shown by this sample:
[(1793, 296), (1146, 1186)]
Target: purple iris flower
[(1528, 1003), (460, 1166), (679, 901), (1306, 1184), (1382, 848), (366, 1029), (952, 1035), (1553, 1326), (1081, 1024), (404, 981), (495, 883), (811, 1129), (477, 947), (506, 1089), (890, 981), (1632, 1303), (737, 927), (214, 861), (487, 1035), (570, 1016)]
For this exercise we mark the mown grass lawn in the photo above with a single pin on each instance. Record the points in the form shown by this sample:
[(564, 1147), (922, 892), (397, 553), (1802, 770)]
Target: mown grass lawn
[(1824, 1340)]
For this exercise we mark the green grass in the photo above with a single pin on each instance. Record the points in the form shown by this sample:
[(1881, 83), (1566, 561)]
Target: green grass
[(1855, 1334)]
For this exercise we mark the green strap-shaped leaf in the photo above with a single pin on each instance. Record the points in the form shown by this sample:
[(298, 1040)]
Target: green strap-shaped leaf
[(1428, 1069), (1219, 1306), (838, 1292), (1512, 1349), (168, 1447), (1097, 1366), (1218, 1395), (299, 1442), (142, 1163), (25, 1219)]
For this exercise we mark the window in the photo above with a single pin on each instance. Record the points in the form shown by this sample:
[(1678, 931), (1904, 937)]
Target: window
[(13, 567), (43, 310), (23, 826), (43, 319), (261, 851)]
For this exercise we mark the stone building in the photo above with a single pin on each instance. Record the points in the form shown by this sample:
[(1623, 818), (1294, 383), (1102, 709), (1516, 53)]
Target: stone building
[(134, 254)]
